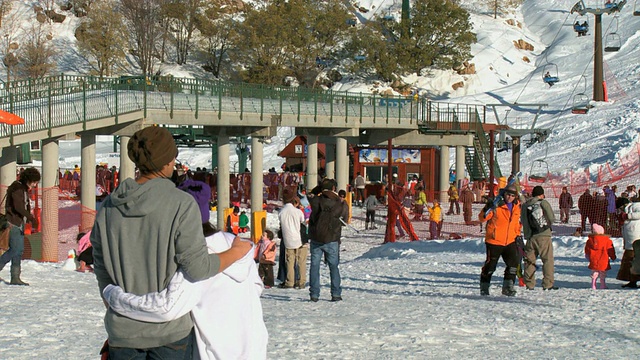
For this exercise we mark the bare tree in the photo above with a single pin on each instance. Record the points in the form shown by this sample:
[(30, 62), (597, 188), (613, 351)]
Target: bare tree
[(142, 21), (5, 8), (216, 31), (36, 55), (180, 17), (102, 36)]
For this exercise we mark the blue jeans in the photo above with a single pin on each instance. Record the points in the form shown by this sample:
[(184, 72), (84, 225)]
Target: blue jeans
[(179, 350), (332, 255), (16, 247)]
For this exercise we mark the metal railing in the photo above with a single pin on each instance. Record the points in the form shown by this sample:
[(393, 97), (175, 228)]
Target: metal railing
[(66, 99)]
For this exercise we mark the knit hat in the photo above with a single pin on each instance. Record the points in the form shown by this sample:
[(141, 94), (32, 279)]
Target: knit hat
[(511, 189), (152, 148), (537, 191), (597, 229), (201, 192)]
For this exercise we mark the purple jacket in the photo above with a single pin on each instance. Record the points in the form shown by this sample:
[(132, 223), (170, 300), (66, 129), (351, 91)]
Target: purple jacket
[(611, 201)]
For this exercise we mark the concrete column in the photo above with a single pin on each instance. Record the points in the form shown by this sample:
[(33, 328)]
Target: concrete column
[(312, 162), (444, 174), (342, 163), (257, 151), (88, 174), (7, 171), (460, 165), (330, 161), (49, 217), (223, 179), (127, 167)]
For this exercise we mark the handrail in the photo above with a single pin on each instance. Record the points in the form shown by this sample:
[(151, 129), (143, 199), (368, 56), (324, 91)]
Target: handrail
[(62, 100)]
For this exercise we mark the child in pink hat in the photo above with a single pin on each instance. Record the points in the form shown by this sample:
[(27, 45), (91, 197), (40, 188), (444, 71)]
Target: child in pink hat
[(598, 250)]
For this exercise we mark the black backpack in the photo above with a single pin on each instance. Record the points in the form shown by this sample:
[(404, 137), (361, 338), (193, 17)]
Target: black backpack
[(537, 220)]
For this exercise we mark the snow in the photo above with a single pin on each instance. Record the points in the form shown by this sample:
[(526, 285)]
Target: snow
[(420, 300)]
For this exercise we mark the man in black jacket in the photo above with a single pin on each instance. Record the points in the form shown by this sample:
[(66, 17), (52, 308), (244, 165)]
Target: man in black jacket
[(18, 210), (325, 229)]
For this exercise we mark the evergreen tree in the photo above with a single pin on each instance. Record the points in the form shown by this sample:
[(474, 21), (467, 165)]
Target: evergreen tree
[(216, 29)]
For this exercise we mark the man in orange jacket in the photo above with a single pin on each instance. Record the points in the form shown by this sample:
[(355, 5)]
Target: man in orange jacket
[(503, 226)]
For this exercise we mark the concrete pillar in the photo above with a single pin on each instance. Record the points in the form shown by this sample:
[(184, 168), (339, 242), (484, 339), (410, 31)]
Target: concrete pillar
[(312, 162), (330, 161), (49, 217), (88, 181), (342, 163), (444, 174), (223, 179), (7, 171), (127, 167), (460, 165), (257, 151)]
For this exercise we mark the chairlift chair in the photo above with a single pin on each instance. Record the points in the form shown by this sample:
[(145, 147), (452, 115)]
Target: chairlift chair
[(539, 171), (550, 74), (636, 8), (581, 27), (580, 104), (612, 42)]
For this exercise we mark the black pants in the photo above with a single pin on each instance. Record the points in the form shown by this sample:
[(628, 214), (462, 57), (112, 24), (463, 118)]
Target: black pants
[(509, 255), (266, 273), (87, 256), (370, 216)]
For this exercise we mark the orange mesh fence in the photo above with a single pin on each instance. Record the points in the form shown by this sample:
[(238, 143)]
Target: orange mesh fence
[(60, 217)]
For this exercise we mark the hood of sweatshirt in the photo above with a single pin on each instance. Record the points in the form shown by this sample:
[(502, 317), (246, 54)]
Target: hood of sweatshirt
[(240, 270), (131, 200)]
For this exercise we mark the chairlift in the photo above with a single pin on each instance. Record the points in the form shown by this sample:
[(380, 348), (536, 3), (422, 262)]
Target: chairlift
[(636, 8), (581, 28), (550, 74), (539, 171), (612, 42), (581, 100)]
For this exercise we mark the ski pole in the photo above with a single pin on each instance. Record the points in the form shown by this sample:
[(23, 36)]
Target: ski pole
[(345, 224)]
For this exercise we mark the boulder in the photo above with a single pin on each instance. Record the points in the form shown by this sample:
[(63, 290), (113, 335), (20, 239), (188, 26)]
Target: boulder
[(523, 45)]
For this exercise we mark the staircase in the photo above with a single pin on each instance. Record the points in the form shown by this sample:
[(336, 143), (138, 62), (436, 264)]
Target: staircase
[(477, 158)]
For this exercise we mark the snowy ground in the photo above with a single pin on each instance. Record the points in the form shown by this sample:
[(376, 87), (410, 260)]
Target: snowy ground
[(401, 301)]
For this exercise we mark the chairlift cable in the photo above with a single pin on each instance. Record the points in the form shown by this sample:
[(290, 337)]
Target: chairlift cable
[(573, 93), (546, 60)]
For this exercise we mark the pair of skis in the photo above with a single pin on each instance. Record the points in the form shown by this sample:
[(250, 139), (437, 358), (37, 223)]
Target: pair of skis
[(514, 180)]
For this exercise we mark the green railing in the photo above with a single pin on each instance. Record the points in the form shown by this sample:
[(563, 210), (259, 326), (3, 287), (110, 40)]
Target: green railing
[(67, 99)]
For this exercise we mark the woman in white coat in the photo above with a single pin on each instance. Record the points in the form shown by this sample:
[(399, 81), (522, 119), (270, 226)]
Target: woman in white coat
[(630, 264)]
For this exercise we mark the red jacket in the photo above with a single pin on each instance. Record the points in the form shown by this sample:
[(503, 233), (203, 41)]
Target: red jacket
[(502, 225), (598, 250)]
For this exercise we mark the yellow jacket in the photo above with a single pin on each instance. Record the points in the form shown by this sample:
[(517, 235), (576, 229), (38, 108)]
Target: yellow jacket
[(435, 213)]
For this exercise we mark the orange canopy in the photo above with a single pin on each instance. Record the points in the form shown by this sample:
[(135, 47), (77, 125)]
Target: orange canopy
[(10, 119)]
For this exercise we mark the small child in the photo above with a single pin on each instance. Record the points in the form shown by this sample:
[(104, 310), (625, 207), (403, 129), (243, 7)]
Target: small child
[(371, 203), (266, 258), (85, 252), (243, 222), (598, 250)]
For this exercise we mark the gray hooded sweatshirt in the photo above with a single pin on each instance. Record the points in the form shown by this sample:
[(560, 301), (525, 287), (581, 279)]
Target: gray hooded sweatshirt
[(141, 235)]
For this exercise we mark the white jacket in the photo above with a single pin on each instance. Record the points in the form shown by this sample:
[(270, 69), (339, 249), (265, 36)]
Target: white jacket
[(631, 226), (225, 308), (290, 219)]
